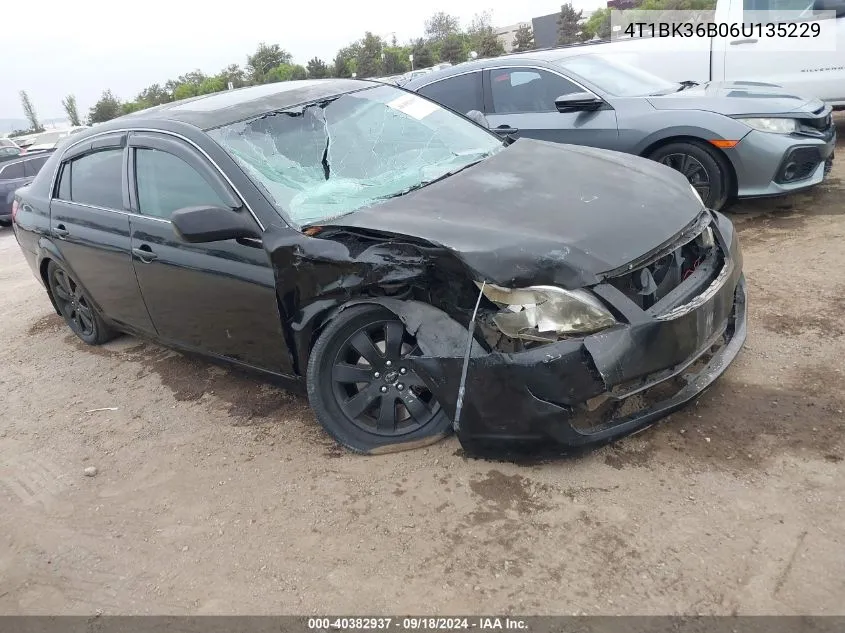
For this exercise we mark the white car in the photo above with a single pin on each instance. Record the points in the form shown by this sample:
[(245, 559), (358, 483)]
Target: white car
[(803, 65), (49, 140)]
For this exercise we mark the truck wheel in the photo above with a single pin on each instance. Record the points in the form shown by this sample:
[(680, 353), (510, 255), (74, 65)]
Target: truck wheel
[(363, 391), (703, 167)]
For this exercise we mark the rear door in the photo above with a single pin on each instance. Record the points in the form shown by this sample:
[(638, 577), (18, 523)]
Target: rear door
[(521, 101), (461, 93), (90, 227), (217, 298)]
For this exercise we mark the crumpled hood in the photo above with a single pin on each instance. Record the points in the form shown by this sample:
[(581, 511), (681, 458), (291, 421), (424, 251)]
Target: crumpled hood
[(543, 213), (733, 98)]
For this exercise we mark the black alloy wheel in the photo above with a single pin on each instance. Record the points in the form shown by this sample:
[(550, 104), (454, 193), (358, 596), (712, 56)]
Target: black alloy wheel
[(703, 167), (76, 307), (361, 386)]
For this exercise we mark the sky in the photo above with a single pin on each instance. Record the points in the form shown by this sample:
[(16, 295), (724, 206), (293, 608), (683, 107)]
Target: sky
[(52, 48)]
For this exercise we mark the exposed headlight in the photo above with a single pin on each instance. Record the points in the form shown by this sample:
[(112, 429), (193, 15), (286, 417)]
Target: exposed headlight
[(697, 195), (776, 126), (545, 313)]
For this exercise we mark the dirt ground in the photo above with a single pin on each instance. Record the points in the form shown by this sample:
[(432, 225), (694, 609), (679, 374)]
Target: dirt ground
[(217, 493)]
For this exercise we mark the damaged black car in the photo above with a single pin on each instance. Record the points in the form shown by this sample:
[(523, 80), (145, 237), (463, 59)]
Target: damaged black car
[(414, 272)]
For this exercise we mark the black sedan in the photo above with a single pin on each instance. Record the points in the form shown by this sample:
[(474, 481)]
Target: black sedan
[(413, 270)]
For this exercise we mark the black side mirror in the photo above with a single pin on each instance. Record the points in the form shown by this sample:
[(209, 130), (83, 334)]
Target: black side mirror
[(479, 118), (196, 225), (830, 5), (578, 102)]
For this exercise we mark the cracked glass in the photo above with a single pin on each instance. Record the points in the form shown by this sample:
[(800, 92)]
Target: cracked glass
[(327, 159)]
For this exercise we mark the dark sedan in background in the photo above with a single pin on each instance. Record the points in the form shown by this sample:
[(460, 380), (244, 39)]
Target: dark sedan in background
[(737, 139), (415, 271), (14, 174)]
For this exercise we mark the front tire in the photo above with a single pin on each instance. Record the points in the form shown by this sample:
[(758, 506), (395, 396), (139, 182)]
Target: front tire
[(76, 307), (362, 389), (705, 169)]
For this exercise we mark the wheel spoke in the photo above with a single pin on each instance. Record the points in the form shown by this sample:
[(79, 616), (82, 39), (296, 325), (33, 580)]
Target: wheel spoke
[(361, 401), (394, 332), (61, 293), (64, 282), (86, 317), (346, 373), (416, 407), (363, 344), (412, 380), (387, 413)]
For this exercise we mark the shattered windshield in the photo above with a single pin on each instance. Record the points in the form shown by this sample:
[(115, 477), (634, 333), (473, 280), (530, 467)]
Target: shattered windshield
[(327, 159)]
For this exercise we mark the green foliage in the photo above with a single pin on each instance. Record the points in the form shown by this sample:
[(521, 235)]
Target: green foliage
[(567, 24), (154, 95), (524, 39), (423, 55), (29, 112), (368, 57), (235, 74), (69, 104), (266, 58), (441, 25), (597, 26), (286, 72), (396, 60), (106, 109), (482, 39), (345, 60), (317, 68), (211, 85), (453, 49)]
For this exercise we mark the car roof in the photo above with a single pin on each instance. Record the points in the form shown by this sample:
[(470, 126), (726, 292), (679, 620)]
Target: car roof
[(222, 108), (515, 59)]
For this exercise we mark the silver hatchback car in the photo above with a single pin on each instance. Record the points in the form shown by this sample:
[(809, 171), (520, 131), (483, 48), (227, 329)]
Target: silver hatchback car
[(731, 140)]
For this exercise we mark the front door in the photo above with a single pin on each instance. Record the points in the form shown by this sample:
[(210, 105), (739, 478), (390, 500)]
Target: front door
[(89, 224), (218, 298), (521, 101)]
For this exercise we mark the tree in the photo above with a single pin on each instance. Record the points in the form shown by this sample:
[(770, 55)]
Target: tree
[(265, 58), (211, 85), (69, 104), (317, 68), (524, 38), (441, 25), (423, 55), (368, 57), (29, 112), (396, 60), (567, 25), (154, 95), (482, 39), (106, 109), (597, 26), (233, 74), (453, 49), (345, 60)]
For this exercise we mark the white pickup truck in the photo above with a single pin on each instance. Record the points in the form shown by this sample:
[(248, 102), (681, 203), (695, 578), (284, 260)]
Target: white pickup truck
[(797, 64)]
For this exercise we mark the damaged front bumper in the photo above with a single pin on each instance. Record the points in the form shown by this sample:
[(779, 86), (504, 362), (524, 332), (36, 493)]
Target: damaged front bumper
[(591, 390)]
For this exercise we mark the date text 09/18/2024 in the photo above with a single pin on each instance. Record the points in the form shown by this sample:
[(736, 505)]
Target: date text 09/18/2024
[(419, 623)]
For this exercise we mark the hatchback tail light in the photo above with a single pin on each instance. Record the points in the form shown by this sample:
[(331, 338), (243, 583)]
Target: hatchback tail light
[(14, 208)]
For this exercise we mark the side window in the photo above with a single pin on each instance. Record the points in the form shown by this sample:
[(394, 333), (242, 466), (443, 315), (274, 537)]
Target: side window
[(94, 179), (167, 183), (12, 172), (461, 93), (33, 166), (527, 90), (64, 182)]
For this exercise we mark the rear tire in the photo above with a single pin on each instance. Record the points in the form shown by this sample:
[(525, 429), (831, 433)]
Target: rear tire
[(361, 389), (705, 169), (76, 307)]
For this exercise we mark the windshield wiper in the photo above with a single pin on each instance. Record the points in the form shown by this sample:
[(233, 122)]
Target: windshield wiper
[(686, 84), (426, 183)]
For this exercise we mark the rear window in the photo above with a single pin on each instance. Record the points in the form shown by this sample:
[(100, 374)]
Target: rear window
[(11, 172), (34, 165), (94, 179), (461, 94)]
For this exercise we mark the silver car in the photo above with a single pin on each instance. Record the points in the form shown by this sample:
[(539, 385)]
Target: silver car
[(731, 140)]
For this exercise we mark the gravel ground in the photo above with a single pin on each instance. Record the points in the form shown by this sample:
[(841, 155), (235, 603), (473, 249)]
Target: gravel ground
[(217, 493)]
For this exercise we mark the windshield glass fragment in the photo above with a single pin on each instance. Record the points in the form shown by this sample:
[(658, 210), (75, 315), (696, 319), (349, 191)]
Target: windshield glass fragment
[(326, 159)]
